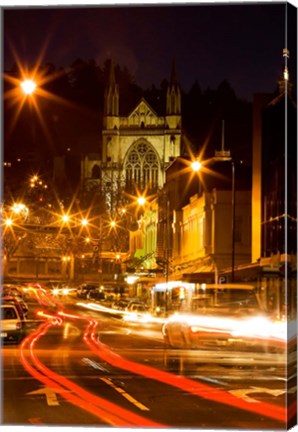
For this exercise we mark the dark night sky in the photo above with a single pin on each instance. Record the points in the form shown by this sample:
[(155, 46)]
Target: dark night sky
[(211, 42)]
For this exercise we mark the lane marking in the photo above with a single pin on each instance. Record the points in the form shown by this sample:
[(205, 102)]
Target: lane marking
[(94, 364), (243, 393), (126, 395), (209, 379), (49, 393)]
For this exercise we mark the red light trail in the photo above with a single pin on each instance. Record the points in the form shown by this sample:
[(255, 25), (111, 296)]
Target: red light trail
[(185, 384), (106, 410), (97, 406)]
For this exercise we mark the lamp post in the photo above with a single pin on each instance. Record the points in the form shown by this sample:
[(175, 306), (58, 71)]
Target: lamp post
[(233, 221), (224, 156), (167, 232)]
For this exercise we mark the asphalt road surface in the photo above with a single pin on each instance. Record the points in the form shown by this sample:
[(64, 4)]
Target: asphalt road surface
[(80, 367)]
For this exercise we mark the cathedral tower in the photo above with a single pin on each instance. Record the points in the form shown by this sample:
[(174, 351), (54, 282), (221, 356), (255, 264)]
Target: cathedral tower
[(137, 146), (111, 100), (173, 108)]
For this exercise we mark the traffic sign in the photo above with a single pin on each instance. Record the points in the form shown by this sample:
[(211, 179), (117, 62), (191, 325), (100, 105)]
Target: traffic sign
[(222, 279)]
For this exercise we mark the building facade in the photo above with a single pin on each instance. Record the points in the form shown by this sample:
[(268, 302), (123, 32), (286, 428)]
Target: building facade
[(274, 195), (206, 235), (137, 146), (195, 214)]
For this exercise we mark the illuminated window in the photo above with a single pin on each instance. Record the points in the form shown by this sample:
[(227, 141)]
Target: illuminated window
[(142, 166)]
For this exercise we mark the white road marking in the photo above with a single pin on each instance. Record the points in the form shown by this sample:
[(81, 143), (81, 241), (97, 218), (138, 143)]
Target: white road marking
[(95, 365), (49, 393), (126, 395), (243, 393)]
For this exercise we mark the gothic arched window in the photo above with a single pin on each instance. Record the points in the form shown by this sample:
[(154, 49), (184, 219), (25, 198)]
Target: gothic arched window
[(142, 167)]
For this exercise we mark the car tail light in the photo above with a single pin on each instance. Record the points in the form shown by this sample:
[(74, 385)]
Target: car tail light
[(19, 325)]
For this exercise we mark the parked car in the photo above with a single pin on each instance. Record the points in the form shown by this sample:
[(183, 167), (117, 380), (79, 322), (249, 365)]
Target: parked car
[(10, 290), (85, 289), (20, 305), (95, 294), (11, 327)]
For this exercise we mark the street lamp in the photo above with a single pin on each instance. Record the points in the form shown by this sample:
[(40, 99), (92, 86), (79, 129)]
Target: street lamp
[(28, 86), (8, 222), (113, 224), (196, 165), (65, 218), (233, 220), (141, 200), (224, 156), (84, 222), (167, 250)]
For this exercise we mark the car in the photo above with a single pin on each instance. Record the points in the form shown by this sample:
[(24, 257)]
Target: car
[(11, 327), (95, 294), (225, 318), (85, 289), (19, 303), (60, 289), (10, 290), (201, 331)]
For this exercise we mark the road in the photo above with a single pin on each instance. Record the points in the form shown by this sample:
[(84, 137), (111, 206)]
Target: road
[(87, 368)]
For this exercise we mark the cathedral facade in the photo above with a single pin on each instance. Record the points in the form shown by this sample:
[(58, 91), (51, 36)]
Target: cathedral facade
[(137, 146)]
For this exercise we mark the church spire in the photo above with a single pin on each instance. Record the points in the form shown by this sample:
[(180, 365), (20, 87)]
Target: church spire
[(112, 94), (173, 93), (284, 84)]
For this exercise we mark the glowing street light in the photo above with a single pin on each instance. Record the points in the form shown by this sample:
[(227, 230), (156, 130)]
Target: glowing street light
[(28, 86), (224, 156), (196, 166), (8, 222), (19, 208), (141, 200), (84, 222), (65, 218)]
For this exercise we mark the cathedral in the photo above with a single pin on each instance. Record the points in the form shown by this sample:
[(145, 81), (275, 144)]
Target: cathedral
[(137, 146)]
